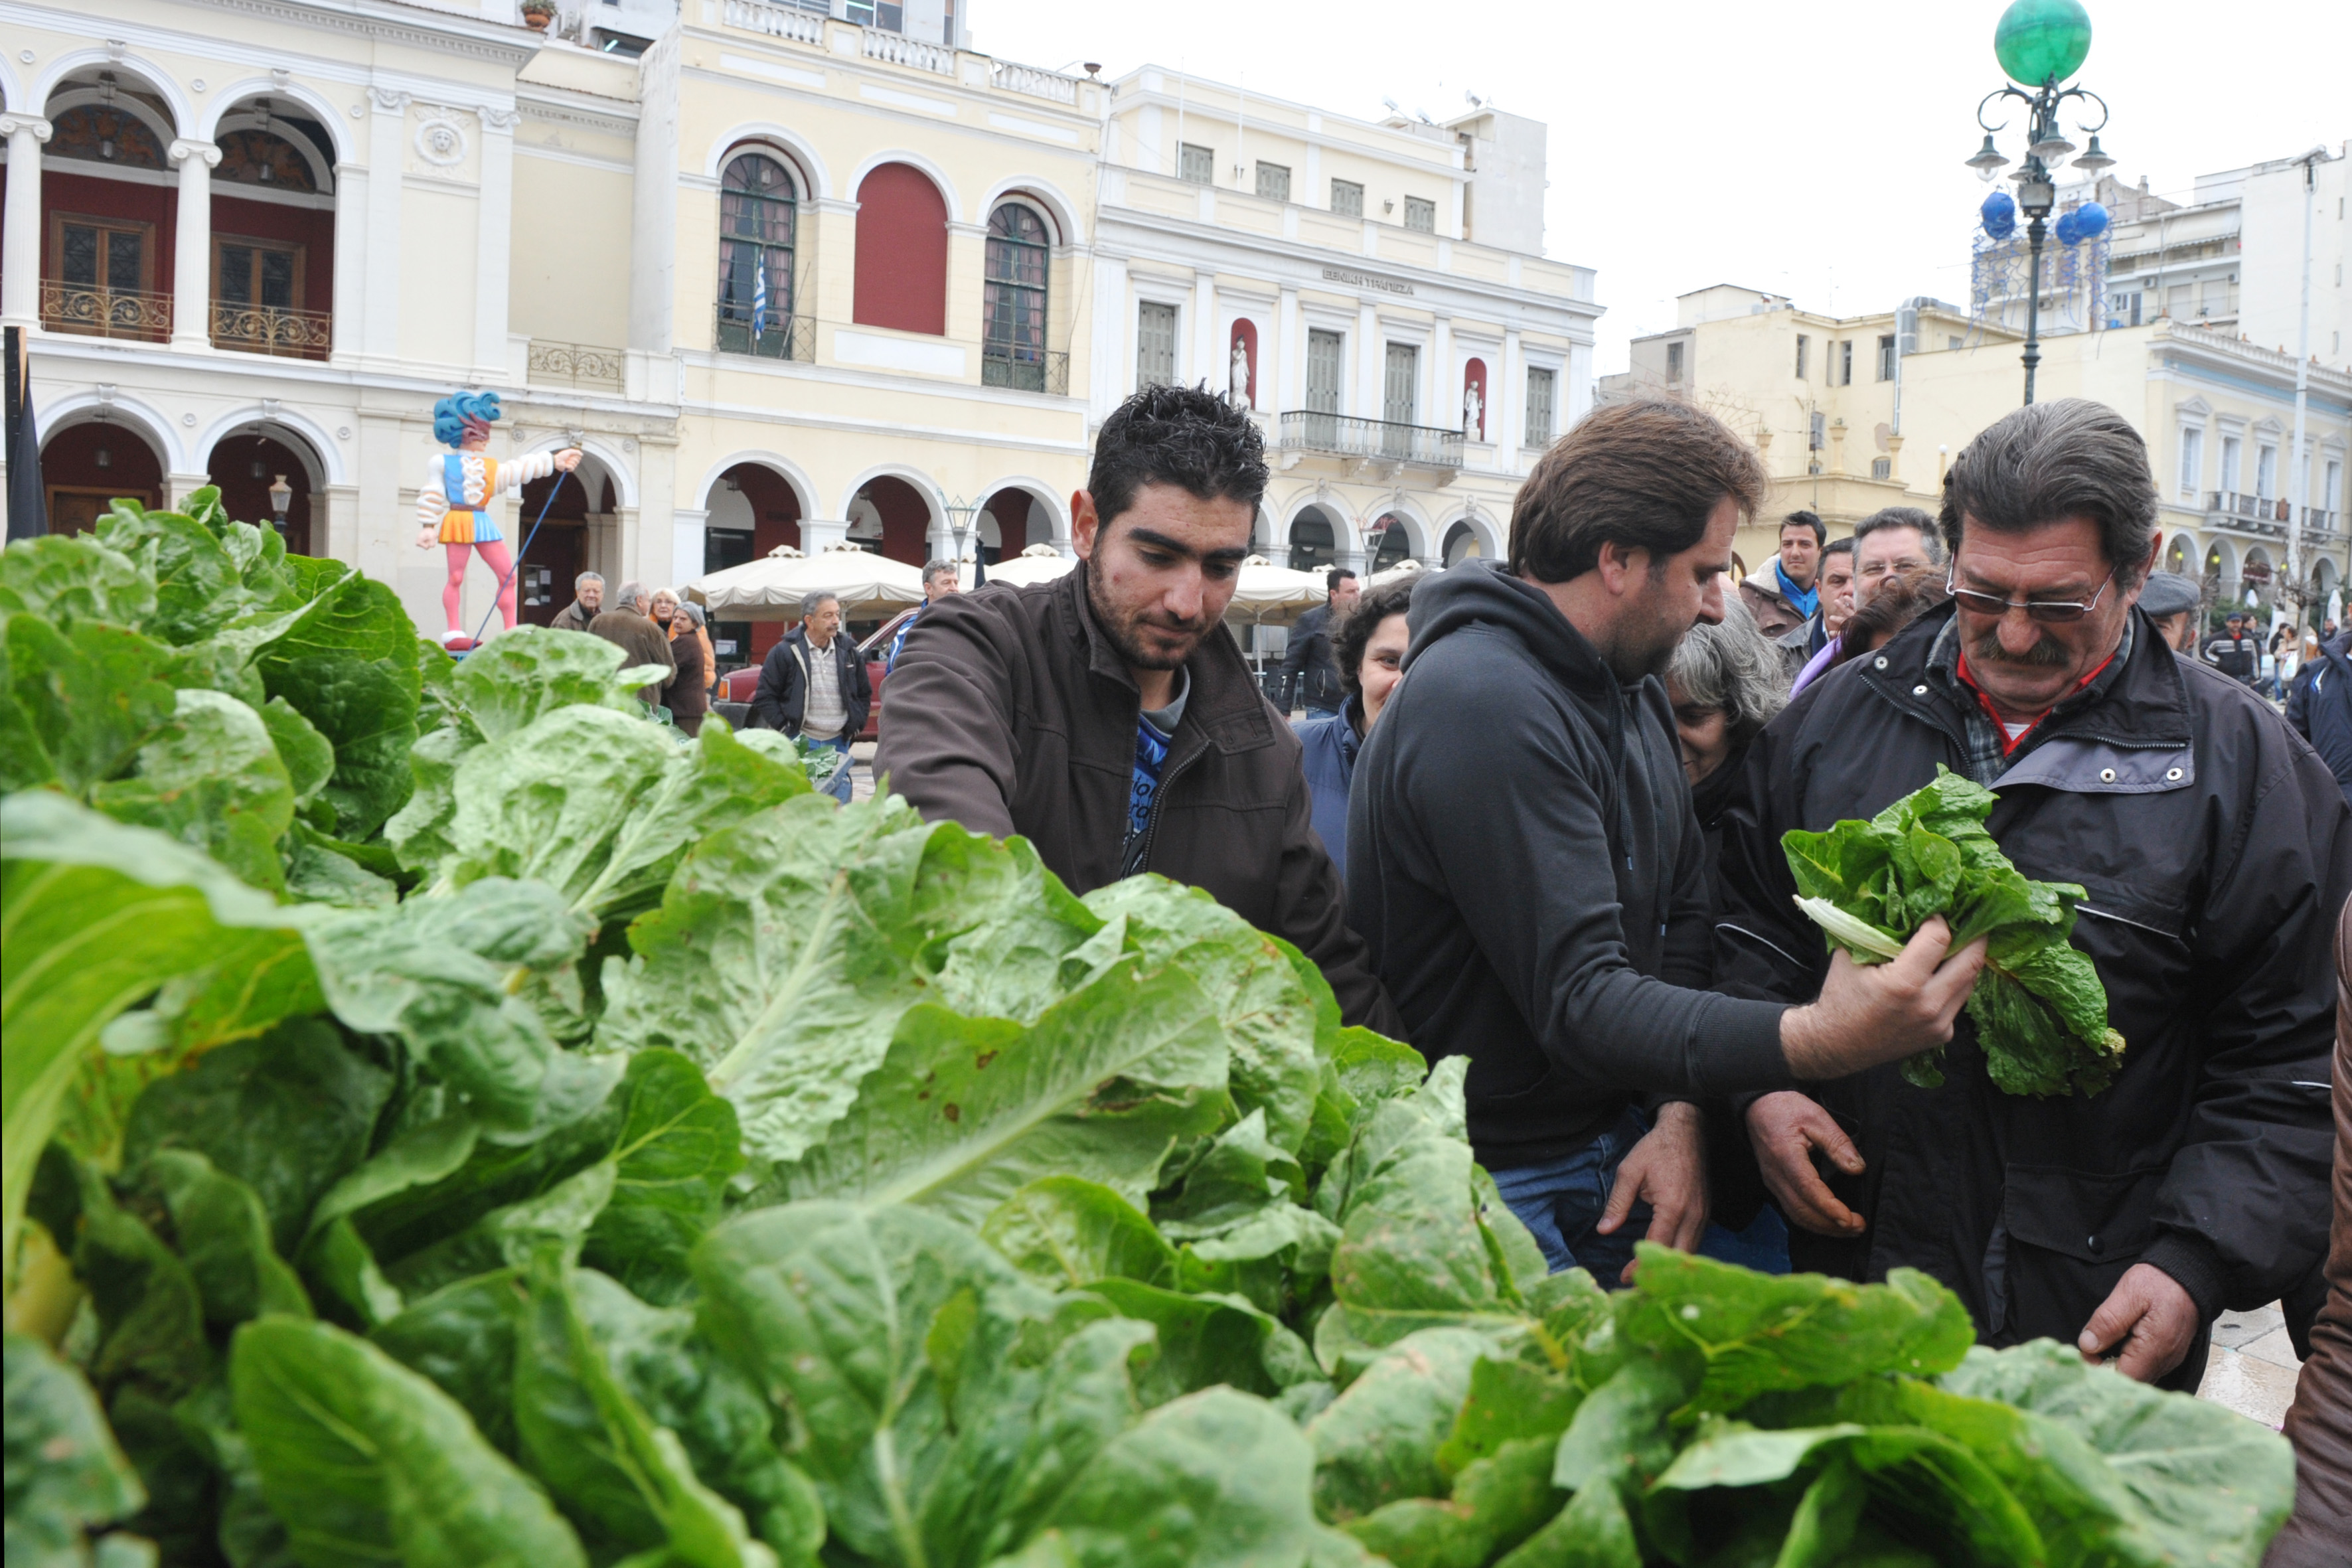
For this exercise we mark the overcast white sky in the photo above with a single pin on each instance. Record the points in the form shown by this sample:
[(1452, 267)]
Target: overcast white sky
[(1813, 150)]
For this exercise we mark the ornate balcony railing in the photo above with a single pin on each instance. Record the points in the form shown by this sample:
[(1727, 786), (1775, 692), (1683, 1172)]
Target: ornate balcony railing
[(770, 337), (777, 21), (106, 312), (1010, 77), (912, 53), (2236, 504), (266, 330), (1024, 369), (576, 365), (1345, 436)]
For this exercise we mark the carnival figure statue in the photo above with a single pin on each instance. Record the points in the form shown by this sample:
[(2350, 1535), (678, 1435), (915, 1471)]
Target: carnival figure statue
[(453, 504)]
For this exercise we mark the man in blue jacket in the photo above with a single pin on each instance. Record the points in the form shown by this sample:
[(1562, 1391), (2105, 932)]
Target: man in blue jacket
[(1526, 868)]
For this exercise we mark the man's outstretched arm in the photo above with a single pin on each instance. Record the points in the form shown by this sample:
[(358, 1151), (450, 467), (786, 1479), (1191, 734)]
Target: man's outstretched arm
[(946, 738)]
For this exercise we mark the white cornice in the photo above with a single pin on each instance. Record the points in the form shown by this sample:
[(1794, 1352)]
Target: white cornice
[(468, 35)]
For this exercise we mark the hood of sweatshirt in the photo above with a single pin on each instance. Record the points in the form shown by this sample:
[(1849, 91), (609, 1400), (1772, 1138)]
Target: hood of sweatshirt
[(1484, 592)]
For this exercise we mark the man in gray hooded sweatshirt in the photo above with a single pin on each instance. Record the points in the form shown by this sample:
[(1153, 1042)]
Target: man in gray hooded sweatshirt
[(1525, 865)]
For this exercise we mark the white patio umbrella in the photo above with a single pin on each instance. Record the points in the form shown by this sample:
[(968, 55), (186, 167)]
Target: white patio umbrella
[(1038, 563), (771, 589), (1267, 595)]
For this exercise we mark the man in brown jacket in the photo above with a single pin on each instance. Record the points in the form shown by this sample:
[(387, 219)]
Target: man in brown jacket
[(628, 627), (2319, 1425), (587, 601), (1109, 718)]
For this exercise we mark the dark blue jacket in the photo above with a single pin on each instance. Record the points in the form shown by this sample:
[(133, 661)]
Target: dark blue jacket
[(1328, 750), (2319, 705)]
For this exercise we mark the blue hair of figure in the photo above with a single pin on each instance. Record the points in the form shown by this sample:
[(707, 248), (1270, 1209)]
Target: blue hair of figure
[(454, 414)]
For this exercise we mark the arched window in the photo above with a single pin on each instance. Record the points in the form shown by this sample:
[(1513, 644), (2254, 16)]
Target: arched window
[(1018, 253), (902, 252), (757, 213)]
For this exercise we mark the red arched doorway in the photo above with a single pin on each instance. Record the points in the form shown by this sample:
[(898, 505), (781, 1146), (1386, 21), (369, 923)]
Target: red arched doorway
[(889, 516), (85, 466), (245, 468)]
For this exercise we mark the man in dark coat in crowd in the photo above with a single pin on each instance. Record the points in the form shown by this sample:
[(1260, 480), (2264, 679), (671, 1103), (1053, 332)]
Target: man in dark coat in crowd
[(2215, 850), (2237, 652), (587, 601), (1310, 669), (627, 627), (2319, 706), (1525, 865), (814, 684), (1108, 716)]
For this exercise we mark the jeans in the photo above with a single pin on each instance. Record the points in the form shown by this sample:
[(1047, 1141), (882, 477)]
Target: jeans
[(1561, 1202), (839, 786)]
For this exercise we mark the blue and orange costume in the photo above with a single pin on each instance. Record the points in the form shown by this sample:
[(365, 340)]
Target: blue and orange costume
[(453, 504)]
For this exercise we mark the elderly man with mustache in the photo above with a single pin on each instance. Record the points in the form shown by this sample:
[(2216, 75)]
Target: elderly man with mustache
[(2215, 850)]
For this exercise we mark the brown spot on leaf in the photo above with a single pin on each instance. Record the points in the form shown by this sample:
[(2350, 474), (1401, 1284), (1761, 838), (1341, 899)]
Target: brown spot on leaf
[(952, 1112), (981, 1063)]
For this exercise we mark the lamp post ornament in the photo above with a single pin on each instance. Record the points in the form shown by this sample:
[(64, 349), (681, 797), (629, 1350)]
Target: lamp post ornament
[(2040, 44)]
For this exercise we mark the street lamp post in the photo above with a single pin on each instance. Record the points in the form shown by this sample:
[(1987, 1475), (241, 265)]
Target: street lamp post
[(2040, 44), (960, 516)]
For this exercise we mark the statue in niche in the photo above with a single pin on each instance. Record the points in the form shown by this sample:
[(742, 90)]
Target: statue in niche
[(1474, 412), (453, 504), (1238, 382)]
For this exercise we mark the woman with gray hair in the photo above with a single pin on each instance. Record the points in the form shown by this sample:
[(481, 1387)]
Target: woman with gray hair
[(1725, 686)]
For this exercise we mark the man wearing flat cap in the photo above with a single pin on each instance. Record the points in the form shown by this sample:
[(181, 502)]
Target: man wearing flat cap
[(2170, 601)]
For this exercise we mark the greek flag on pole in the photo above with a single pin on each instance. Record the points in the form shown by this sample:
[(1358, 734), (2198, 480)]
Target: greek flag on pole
[(760, 297)]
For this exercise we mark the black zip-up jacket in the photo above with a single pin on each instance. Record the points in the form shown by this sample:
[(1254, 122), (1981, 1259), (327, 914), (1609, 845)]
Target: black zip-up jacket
[(2319, 706), (2239, 657), (1525, 866), (1310, 671), (783, 695), (2216, 850)]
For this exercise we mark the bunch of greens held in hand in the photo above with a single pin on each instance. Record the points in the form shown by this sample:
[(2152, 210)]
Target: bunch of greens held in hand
[(634, 1157), (2040, 1011)]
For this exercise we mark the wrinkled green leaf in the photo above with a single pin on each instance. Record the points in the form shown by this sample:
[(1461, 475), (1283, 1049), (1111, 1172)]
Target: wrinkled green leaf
[(1064, 1231), (198, 588), (211, 778), (223, 1232), (363, 1459), (64, 577), (86, 698), (1377, 1442)]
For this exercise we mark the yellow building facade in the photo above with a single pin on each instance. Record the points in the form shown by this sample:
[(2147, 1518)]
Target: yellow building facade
[(788, 279), (1854, 413)]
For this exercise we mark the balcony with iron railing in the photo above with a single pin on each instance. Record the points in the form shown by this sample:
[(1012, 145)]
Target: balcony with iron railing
[(1370, 440), (1024, 369), (740, 331), (2227, 506), (576, 365), (89, 310), (270, 329)]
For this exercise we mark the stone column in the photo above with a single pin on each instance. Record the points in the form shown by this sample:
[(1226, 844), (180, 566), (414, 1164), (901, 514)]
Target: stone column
[(350, 261), (1894, 458), (688, 538), (335, 526), (379, 302), (20, 258), (192, 247), (494, 244)]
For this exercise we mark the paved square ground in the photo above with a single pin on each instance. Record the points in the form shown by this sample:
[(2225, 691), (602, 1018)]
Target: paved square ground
[(2252, 1367)]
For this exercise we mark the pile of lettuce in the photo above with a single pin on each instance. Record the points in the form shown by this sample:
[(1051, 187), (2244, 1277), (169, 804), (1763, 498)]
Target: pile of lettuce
[(632, 1157), (2040, 1011)]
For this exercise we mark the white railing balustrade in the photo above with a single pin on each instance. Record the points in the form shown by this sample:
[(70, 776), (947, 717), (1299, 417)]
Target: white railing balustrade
[(1054, 85), (912, 53), (777, 21)]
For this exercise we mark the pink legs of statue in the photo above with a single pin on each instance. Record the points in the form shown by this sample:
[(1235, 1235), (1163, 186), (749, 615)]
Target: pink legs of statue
[(498, 558)]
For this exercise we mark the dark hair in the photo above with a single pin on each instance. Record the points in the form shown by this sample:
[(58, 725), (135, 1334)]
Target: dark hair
[(1644, 474), (1334, 577), (1900, 600), (2049, 461), (1837, 547), (1184, 435), (1355, 633), (1804, 519), (1902, 517)]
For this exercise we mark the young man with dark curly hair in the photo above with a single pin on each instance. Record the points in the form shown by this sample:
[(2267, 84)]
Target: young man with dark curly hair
[(1108, 716)]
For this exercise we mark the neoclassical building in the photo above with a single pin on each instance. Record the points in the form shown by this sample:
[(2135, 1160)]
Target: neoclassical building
[(788, 277)]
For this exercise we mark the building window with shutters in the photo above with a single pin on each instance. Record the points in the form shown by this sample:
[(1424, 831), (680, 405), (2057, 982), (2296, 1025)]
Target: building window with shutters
[(1347, 198), (1273, 181), (1155, 344), (1421, 214), (1540, 384), (1845, 362), (1804, 345), (1817, 431), (1197, 165), (1674, 363), (1400, 385), (1882, 467), (106, 269), (1326, 356), (256, 283), (1887, 356), (2192, 460), (758, 228), (1013, 306)]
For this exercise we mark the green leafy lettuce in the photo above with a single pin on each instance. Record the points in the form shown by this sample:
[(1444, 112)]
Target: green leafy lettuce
[(2040, 1011)]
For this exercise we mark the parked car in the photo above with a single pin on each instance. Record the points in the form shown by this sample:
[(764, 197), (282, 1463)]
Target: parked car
[(737, 687)]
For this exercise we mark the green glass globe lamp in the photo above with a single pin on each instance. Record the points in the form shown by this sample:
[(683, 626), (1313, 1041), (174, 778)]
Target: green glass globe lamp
[(2038, 41)]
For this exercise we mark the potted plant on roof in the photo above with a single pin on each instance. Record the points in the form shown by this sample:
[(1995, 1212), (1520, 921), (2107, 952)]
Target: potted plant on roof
[(538, 14)]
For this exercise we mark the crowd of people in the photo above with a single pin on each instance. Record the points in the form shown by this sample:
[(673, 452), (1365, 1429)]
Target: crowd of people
[(1533, 812)]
